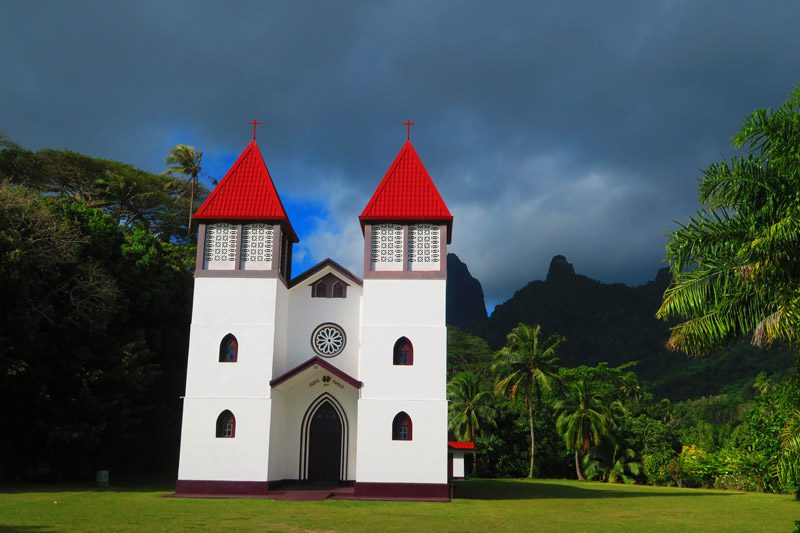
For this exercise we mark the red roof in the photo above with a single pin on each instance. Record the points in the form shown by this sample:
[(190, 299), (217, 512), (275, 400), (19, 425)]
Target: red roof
[(461, 445), (407, 194), (246, 193)]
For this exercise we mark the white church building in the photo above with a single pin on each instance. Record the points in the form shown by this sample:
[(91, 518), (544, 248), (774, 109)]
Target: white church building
[(326, 377)]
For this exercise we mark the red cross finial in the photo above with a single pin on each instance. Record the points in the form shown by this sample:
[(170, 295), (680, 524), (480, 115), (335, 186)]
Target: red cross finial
[(255, 124), (408, 125)]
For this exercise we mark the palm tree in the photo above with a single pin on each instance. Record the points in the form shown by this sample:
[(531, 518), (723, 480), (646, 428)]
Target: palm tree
[(583, 421), (470, 407), (736, 263), (186, 160), (525, 367), (624, 468)]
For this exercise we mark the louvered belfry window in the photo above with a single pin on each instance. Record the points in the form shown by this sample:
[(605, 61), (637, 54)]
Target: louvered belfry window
[(423, 247), (387, 247), (257, 241), (220, 246)]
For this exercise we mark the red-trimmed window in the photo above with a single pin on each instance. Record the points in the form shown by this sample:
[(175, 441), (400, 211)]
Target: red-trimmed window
[(228, 349), (226, 425), (401, 427), (403, 352)]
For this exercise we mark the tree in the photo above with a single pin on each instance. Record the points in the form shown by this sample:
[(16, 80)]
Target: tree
[(788, 468), (470, 405), (584, 419), (525, 367), (736, 263), (186, 160), (467, 353), (131, 195)]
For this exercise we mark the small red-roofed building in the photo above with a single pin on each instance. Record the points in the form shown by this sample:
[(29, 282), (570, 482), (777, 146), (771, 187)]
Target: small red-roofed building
[(326, 377), (457, 453)]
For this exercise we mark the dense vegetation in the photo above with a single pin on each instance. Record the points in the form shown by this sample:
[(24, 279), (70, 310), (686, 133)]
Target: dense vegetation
[(601, 423), (96, 288)]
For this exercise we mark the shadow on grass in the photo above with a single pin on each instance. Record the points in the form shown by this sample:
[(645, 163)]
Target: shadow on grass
[(489, 489), (19, 488), (23, 529)]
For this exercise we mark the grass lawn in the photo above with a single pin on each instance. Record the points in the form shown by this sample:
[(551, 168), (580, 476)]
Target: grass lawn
[(481, 505)]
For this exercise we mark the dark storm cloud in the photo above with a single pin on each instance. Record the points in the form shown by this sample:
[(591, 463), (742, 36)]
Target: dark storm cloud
[(561, 127)]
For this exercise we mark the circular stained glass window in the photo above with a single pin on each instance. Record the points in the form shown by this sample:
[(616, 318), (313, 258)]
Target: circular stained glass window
[(328, 340)]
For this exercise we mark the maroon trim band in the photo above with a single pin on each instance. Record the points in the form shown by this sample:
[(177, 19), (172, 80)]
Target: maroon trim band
[(185, 487), (403, 491)]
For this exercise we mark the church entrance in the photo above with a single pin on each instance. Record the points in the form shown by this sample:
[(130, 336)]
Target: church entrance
[(325, 445)]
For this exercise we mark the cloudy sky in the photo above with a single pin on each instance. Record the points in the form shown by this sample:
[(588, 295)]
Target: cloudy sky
[(561, 127)]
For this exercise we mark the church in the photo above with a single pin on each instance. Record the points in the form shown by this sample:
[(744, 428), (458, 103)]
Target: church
[(327, 377)]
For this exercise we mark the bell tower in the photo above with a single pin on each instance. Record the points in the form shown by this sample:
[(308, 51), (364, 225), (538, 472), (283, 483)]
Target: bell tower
[(238, 330), (402, 426)]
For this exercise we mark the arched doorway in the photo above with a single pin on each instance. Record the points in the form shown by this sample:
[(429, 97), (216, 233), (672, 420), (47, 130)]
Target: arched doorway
[(325, 445)]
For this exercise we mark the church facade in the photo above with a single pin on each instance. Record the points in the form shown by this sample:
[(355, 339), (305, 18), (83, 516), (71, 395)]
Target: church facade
[(326, 377)]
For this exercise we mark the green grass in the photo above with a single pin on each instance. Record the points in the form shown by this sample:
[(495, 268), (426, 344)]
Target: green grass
[(481, 505)]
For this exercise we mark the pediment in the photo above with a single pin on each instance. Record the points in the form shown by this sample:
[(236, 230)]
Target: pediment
[(317, 365)]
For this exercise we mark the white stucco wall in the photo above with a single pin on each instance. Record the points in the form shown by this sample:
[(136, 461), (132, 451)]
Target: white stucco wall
[(307, 313), (282, 320), (245, 307), (420, 460), (458, 463), (273, 326), (414, 308), (206, 457), (409, 308)]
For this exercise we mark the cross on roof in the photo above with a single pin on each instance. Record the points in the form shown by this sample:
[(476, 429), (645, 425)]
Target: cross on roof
[(408, 125), (255, 124)]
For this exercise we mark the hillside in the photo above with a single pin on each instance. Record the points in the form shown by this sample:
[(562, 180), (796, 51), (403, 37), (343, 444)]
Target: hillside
[(616, 323)]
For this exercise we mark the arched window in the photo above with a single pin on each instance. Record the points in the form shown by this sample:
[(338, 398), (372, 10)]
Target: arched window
[(226, 425), (321, 290), (338, 289), (329, 286), (228, 349), (401, 427), (403, 352)]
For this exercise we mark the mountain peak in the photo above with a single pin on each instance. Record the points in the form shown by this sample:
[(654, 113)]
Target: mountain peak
[(466, 308), (560, 268)]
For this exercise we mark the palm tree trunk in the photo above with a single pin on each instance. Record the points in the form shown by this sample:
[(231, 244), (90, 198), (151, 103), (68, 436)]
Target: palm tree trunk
[(191, 209), (578, 467), (533, 437), (474, 456)]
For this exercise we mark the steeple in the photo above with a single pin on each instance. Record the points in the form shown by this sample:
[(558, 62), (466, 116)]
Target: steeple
[(246, 193), (407, 194), (243, 225)]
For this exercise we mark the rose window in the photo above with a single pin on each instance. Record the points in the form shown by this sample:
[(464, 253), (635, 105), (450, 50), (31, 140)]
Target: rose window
[(328, 340)]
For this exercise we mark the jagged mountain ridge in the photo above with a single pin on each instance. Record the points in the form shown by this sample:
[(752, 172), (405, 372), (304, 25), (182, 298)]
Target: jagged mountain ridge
[(602, 322), (612, 323)]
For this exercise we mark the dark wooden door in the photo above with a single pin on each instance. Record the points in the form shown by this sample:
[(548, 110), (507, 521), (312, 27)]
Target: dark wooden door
[(325, 445)]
